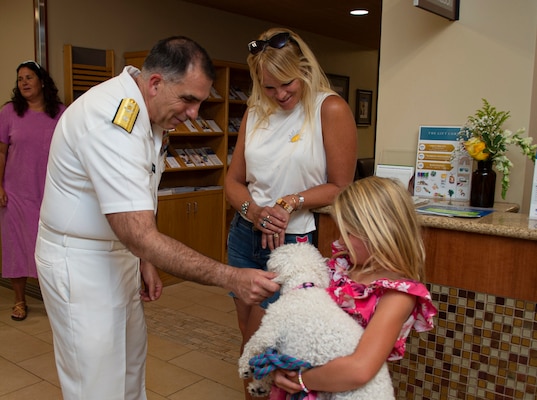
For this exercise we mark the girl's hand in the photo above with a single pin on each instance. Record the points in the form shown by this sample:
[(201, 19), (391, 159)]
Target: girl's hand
[(287, 380)]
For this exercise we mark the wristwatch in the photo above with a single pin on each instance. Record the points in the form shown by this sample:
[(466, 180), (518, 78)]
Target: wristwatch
[(300, 201)]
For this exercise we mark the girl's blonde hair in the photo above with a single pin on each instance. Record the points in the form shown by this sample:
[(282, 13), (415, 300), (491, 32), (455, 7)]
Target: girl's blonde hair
[(380, 212), (295, 60)]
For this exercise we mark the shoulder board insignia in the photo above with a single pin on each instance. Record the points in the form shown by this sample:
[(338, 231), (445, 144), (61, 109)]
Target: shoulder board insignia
[(126, 114)]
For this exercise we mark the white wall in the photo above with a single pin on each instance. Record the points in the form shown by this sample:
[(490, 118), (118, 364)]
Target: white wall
[(435, 72)]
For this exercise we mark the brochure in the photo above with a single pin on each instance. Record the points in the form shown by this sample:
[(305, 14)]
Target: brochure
[(453, 211)]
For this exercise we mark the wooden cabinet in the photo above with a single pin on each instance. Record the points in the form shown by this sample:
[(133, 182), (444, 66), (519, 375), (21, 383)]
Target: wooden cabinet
[(192, 219), (198, 217), (327, 232)]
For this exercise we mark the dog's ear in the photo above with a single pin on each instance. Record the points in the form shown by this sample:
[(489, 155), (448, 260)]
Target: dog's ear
[(274, 265)]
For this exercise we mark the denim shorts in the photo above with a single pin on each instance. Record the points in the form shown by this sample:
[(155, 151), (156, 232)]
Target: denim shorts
[(245, 251)]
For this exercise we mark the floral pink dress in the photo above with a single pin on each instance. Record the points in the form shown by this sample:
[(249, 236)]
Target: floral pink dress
[(360, 301)]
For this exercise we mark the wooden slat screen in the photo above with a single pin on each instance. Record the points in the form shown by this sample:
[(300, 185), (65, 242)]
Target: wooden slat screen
[(80, 77)]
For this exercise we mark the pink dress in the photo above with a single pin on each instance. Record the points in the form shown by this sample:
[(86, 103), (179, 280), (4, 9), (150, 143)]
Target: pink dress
[(360, 301), (28, 139)]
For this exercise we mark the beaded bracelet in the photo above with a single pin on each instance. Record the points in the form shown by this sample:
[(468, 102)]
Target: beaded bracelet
[(244, 207), (301, 382)]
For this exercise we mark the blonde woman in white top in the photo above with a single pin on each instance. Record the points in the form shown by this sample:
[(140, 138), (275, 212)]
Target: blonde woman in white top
[(296, 149)]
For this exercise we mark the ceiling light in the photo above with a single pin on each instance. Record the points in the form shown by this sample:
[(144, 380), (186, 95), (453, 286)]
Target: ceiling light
[(359, 12)]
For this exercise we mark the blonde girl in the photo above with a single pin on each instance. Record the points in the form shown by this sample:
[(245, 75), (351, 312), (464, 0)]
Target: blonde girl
[(377, 277)]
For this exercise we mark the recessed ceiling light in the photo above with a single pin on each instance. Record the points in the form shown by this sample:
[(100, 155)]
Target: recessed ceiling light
[(359, 12)]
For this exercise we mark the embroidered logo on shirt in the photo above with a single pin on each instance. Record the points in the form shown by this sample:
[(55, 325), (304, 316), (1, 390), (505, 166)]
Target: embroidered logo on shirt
[(126, 114), (294, 136)]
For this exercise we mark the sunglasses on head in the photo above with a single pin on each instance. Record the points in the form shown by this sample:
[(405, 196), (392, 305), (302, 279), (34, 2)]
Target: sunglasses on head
[(277, 41)]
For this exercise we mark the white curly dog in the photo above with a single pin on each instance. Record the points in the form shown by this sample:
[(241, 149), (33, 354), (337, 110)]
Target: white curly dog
[(306, 324)]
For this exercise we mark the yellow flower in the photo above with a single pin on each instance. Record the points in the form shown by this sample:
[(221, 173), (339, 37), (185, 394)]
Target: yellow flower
[(475, 148)]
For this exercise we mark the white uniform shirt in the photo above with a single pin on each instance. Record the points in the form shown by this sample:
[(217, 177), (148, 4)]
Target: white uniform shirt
[(279, 163), (96, 167)]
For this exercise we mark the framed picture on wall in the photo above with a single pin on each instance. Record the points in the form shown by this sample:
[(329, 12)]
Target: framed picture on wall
[(364, 101), (340, 85), (445, 8)]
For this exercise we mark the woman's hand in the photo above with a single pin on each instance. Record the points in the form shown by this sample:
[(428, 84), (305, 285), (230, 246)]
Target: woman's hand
[(273, 240), (272, 222), (287, 380)]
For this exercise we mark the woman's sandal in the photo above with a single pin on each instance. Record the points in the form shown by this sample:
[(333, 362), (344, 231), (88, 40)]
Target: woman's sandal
[(20, 311)]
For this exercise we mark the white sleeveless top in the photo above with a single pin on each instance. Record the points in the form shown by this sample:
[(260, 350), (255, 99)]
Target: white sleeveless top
[(278, 162)]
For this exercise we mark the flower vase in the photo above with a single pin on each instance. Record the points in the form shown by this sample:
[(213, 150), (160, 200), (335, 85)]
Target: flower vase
[(483, 185)]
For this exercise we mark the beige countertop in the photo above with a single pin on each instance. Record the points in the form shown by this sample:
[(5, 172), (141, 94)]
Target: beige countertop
[(504, 221)]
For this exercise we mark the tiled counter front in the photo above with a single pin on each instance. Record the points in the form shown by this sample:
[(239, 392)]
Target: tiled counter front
[(482, 276), (483, 279), (483, 347)]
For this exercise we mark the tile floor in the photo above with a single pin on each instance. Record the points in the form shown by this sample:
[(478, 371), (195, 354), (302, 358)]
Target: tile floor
[(193, 347)]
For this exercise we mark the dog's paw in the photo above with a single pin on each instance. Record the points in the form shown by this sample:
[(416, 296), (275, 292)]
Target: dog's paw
[(257, 389), (246, 372)]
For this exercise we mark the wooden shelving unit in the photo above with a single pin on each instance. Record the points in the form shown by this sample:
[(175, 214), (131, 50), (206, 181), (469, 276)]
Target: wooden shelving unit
[(197, 217)]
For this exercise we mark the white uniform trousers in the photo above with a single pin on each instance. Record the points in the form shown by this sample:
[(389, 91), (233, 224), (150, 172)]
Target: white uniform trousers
[(93, 303)]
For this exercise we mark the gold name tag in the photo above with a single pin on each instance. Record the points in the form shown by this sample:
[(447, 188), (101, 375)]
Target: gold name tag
[(126, 114)]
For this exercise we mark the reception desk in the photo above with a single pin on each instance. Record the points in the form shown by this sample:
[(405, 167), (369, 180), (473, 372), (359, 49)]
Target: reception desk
[(482, 275), (496, 253)]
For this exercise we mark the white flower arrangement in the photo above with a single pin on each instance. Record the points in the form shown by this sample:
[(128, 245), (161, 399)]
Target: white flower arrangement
[(484, 139)]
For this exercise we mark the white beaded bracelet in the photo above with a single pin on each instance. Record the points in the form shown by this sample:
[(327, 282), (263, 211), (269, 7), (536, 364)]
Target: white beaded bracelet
[(304, 388)]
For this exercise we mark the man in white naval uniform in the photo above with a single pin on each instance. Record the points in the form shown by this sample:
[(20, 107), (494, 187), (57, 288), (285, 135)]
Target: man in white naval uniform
[(98, 243)]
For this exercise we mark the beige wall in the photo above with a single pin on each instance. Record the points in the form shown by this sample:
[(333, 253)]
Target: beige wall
[(435, 72), (528, 181), (136, 24), (432, 71), (16, 41)]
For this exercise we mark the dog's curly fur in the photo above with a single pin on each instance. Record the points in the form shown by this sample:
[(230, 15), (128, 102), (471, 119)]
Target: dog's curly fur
[(307, 324)]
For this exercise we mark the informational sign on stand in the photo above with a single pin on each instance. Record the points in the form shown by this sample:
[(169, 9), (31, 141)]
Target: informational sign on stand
[(438, 173)]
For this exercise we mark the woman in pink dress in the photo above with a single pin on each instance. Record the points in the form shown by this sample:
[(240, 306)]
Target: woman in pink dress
[(27, 123), (377, 276)]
